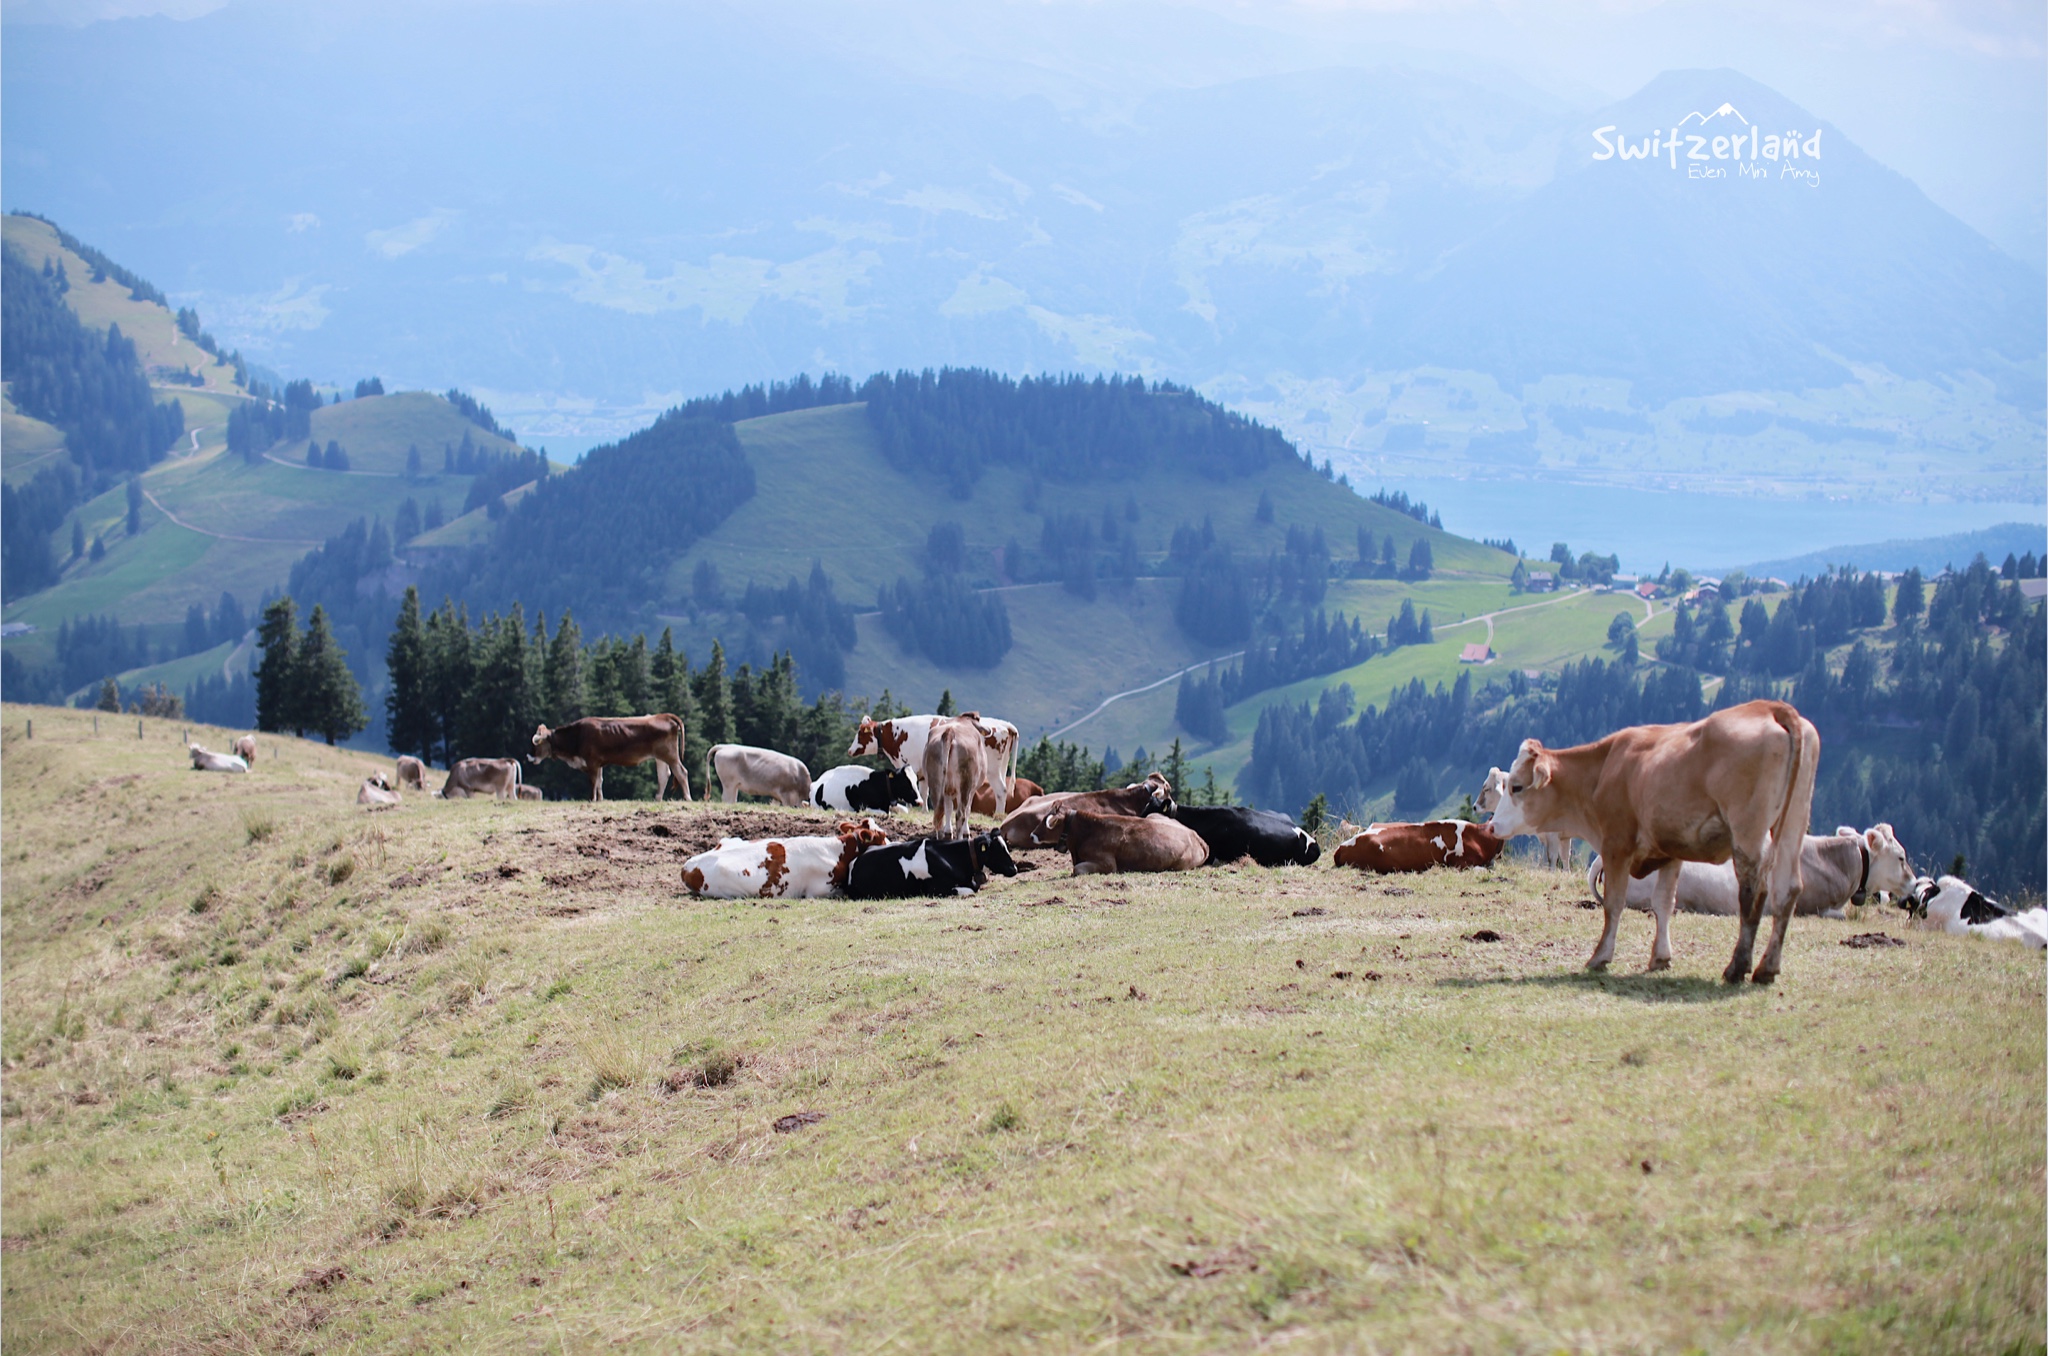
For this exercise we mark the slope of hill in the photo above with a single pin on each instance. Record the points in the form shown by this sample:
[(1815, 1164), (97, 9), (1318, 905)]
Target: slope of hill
[(1930, 555)]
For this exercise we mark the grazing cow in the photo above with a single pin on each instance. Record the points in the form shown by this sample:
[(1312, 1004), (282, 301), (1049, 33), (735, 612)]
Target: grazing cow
[(1105, 844), (902, 742), (1388, 848), (1556, 848), (954, 769), (1951, 905), (375, 790), (1234, 831), (526, 791), (206, 760), (411, 772), (860, 790), (1738, 784), (597, 742), (1026, 825), (1835, 871), (746, 770), (780, 868), (926, 866), (245, 749), (1021, 790), (495, 777)]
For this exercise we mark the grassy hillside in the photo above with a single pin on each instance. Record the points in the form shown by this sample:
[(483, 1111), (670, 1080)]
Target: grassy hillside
[(27, 444), (377, 431), (471, 1074)]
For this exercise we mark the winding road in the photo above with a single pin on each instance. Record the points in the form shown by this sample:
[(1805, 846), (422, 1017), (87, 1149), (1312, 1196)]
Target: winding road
[(224, 536)]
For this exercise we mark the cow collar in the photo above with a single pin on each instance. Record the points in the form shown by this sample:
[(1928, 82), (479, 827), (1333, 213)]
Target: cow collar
[(1862, 881)]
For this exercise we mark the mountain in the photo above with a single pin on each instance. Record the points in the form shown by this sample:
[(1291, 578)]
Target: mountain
[(1929, 555)]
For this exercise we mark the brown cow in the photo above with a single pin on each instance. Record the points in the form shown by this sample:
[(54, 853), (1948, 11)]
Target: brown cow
[(245, 749), (496, 777), (1025, 826), (1738, 784), (1021, 790), (1105, 844), (597, 742), (953, 772), (1388, 848), (412, 772)]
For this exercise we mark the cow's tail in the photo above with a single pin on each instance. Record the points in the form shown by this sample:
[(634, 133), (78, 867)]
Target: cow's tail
[(1795, 816)]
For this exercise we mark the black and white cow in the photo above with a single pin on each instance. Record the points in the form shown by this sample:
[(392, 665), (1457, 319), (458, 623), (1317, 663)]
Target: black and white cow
[(859, 790), (929, 866), (1234, 831), (1953, 906)]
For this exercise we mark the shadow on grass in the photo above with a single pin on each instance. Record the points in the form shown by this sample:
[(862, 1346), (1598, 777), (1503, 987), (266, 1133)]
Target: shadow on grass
[(1663, 987)]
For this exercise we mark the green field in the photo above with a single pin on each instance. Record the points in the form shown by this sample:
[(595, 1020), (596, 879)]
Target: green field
[(377, 430), (26, 445), (286, 1075)]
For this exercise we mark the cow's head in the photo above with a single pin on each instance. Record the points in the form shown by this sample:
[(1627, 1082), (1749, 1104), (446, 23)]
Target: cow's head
[(1891, 871), (1528, 792), (543, 744), (379, 780), (863, 739), (1053, 827), (1308, 849), (1491, 790), (903, 788), (995, 854), (1161, 802)]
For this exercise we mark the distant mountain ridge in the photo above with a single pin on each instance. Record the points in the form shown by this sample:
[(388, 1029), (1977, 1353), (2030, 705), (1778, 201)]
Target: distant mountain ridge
[(1928, 554)]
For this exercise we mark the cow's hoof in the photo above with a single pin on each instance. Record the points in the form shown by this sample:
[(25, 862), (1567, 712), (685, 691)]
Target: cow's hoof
[(1735, 973), (1596, 965), (1656, 964), (1763, 976)]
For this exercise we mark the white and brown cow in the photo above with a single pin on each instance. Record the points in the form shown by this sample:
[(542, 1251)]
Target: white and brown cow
[(206, 760), (376, 790), (495, 777), (1389, 848), (780, 868), (745, 770), (902, 742), (954, 769), (411, 772), (595, 743), (1738, 785)]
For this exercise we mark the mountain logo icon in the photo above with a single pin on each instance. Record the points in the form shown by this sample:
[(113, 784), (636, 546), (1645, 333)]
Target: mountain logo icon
[(1724, 111)]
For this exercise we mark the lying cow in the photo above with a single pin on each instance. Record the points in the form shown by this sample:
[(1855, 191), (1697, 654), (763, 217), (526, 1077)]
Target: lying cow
[(527, 791), (853, 790), (1388, 848), (595, 743), (1952, 905), (954, 769), (1021, 790), (245, 749), (1834, 872), (375, 790), (745, 770), (1106, 844), (1738, 784), (1555, 847), (1026, 826), (925, 866), (411, 772), (495, 777), (780, 868), (1234, 831), (206, 760)]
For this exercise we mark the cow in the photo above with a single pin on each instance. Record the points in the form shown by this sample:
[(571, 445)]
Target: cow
[(527, 791), (1842, 869), (1737, 784), (1952, 905), (597, 742), (411, 772), (927, 866), (1106, 844), (1021, 790), (1388, 848), (744, 769), (495, 777), (780, 868), (375, 790), (1556, 848), (858, 790), (245, 749), (206, 760), (954, 768), (1026, 827), (902, 742), (1234, 831)]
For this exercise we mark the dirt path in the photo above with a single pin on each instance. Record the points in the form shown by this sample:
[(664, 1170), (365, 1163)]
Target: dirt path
[(301, 466), (1132, 692), (223, 536)]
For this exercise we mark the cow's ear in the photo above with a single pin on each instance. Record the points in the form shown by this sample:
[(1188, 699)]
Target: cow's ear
[(1539, 767)]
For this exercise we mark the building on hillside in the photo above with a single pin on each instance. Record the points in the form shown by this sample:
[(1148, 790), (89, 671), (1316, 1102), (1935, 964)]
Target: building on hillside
[(2033, 590), (1542, 581), (1646, 589), (1476, 653)]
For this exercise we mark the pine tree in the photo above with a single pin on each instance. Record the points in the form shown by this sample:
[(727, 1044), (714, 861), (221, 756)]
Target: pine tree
[(412, 461), (408, 707), (331, 701), (110, 696), (945, 706), (1911, 599), (561, 689), (135, 506), (277, 672), (714, 700), (500, 706), (669, 682), (1175, 767), (77, 539), (450, 666)]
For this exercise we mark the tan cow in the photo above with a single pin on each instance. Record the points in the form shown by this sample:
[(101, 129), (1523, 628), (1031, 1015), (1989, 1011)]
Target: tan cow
[(1557, 849), (746, 770), (531, 792), (954, 769), (496, 777), (245, 749), (1105, 844), (1738, 785), (595, 743), (375, 790), (412, 772)]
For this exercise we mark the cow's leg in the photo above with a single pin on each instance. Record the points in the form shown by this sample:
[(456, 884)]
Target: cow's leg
[(1749, 905), (660, 779), (1614, 898), (1783, 877), (1661, 901), (681, 778)]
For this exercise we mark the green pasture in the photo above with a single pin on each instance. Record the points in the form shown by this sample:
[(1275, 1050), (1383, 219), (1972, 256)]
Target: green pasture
[(377, 430)]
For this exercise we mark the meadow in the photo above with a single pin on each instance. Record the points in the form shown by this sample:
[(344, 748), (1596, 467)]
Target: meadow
[(283, 1074)]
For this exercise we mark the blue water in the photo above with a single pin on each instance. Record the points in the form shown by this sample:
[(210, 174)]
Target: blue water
[(1650, 528)]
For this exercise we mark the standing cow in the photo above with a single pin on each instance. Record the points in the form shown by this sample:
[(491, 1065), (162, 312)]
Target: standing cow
[(1738, 784), (597, 742), (746, 770), (245, 749), (494, 777), (411, 772), (902, 741), (954, 770)]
